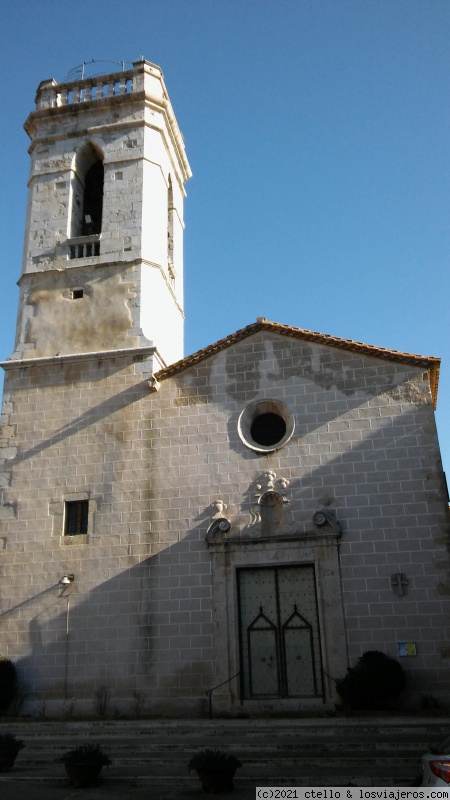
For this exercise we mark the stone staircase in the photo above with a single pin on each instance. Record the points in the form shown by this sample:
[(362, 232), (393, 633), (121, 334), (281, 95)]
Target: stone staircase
[(275, 752)]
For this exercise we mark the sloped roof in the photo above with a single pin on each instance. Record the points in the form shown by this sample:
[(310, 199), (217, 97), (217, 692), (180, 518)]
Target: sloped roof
[(430, 363)]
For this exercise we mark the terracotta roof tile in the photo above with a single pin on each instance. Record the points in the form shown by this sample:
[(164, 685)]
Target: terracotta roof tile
[(430, 363)]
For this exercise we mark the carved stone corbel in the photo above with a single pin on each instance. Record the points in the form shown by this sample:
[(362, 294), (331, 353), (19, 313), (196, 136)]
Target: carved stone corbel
[(322, 518), (219, 523), (217, 529)]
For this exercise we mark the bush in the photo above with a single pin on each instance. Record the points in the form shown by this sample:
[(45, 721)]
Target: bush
[(9, 748), (89, 754), (8, 683), (9, 743), (213, 760), (373, 683)]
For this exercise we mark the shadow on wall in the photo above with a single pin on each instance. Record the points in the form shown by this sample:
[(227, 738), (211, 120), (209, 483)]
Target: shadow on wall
[(148, 629), (95, 414)]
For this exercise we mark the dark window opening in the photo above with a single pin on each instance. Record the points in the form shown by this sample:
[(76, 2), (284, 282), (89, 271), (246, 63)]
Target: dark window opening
[(77, 294), (76, 517), (268, 429), (93, 200)]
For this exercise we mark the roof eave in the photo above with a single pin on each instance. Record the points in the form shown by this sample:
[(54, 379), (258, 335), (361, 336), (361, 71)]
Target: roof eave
[(429, 363)]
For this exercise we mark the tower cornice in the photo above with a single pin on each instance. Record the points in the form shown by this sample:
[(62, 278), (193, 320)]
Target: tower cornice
[(143, 85), (68, 358)]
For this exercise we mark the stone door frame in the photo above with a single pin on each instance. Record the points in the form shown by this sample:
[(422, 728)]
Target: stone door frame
[(230, 553)]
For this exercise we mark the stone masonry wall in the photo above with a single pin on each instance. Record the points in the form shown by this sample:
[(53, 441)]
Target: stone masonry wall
[(141, 613)]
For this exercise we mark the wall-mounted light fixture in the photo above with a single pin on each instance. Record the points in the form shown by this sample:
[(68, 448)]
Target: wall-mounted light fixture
[(66, 579)]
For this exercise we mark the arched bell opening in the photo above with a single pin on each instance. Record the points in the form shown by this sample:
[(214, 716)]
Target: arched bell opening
[(87, 192)]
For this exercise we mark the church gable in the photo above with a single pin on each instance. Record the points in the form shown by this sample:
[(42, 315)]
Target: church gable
[(430, 364), (249, 367), (332, 417)]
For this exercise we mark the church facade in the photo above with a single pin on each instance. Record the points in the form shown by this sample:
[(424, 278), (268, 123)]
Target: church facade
[(252, 517)]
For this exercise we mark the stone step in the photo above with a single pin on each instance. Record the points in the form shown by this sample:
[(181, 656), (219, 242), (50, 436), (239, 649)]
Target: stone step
[(268, 752), (304, 733), (213, 729), (274, 752), (179, 768), (180, 760), (326, 777), (267, 743), (283, 769)]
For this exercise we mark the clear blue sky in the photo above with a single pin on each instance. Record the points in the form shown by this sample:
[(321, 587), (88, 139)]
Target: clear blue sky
[(318, 134)]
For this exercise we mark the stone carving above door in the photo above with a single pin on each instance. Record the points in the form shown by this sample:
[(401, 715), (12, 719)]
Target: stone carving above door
[(267, 514)]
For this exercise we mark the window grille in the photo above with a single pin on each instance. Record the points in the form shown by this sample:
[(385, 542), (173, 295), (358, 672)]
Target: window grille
[(76, 517)]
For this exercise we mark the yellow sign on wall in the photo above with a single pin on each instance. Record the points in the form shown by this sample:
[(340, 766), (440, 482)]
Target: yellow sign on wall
[(407, 649)]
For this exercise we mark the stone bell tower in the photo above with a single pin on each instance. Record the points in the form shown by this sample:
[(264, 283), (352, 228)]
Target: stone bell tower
[(103, 256)]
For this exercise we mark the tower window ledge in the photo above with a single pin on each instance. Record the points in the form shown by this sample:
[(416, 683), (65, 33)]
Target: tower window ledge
[(74, 541), (84, 246)]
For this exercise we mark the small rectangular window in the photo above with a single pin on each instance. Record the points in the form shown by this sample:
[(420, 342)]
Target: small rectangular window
[(77, 294), (76, 517)]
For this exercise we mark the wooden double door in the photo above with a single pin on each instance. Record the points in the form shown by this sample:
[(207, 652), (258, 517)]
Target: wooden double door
[(279, 632)]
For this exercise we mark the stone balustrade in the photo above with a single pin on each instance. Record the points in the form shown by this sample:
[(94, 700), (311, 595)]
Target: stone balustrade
[(84, 246), (52, 94)]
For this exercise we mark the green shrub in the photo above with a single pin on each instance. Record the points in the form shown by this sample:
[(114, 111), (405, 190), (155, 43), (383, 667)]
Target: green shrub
[(8, 683), (89, 754), (373, 683), (9, 743), (213, 760)]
